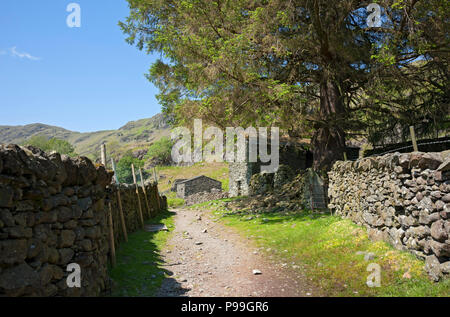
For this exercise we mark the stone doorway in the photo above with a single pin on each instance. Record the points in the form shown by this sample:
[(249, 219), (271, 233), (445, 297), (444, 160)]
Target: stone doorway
[(239, 188)]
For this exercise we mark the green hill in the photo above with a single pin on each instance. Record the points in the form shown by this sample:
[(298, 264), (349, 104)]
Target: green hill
[(133, 136)]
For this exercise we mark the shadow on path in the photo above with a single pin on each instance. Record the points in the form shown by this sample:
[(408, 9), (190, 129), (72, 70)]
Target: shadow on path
[(140, 269)]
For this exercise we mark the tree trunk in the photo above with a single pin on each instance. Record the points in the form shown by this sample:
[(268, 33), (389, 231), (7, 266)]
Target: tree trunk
[(328, 141)]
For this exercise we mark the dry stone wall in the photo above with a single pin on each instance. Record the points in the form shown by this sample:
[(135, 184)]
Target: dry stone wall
[(403, 199), (53, 212), (198, 198)]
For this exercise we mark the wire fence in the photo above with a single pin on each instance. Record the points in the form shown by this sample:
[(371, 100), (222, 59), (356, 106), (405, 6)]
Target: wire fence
[(405, 148), (411, 146)]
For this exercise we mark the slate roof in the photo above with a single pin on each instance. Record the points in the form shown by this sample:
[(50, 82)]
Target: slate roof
[(197, 177)]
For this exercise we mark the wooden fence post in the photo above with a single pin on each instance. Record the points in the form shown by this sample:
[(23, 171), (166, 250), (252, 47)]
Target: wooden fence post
[(413, 139), (119, 201), (138, 196), (103, 154), (145, 193), (111, 237), (154, 174)]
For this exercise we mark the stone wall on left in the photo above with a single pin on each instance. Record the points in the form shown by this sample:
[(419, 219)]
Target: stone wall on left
[(53, 212)]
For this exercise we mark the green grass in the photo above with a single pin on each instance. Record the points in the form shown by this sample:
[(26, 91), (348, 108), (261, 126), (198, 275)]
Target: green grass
[(138, 271), (173, 201), (326, 246)]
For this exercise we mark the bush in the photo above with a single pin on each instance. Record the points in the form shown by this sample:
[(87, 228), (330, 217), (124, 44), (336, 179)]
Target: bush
[(124, 172), (161, 150), (53, 144)]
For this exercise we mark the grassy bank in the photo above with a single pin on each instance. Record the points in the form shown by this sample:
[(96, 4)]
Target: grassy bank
[(332, 252), (138, 271)]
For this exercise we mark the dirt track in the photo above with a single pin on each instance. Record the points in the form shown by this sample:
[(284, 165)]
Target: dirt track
[(219, 262)]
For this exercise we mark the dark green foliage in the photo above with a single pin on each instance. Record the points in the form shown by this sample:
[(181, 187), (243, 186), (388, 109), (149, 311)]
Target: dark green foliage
[(124, 171), (310, 67)]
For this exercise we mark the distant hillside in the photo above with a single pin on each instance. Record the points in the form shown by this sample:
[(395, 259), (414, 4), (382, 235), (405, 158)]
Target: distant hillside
[(133, 136)]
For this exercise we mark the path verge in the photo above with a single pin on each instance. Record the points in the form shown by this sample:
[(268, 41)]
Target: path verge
[(139, 270), (206, 258), (333, 252)]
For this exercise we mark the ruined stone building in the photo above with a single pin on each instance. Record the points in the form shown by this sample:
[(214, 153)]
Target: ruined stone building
[(294, 155)]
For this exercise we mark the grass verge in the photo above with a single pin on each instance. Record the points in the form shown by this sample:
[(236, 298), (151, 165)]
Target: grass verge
[(138, 271), (173, 201), (331, 251)]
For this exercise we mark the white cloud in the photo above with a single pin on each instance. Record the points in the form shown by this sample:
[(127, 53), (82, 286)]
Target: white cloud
[(15, 53)]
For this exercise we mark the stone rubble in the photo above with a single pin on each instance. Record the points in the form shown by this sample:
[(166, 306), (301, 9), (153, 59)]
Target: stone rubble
[(198, 198)]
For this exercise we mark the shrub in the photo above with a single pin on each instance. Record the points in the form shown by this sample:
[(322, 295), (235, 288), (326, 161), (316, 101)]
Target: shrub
[(53, 144), (161, 150), (124, 172)]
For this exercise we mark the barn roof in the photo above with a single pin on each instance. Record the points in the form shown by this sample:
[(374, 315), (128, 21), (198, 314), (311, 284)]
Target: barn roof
[(197, 177)]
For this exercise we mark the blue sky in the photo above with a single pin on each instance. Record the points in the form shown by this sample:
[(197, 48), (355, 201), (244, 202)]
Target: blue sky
[(82, 79)]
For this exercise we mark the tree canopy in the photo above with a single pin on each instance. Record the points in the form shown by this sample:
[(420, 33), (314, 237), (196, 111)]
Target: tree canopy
[(312, 67)]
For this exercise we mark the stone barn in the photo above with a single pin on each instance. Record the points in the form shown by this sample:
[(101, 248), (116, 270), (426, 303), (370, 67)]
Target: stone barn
[(196, 185)]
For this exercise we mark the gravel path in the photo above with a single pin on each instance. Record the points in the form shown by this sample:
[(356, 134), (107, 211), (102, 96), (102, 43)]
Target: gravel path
[(206, 258)]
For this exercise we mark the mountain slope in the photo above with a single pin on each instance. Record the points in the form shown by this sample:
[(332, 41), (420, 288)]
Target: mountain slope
[(18, 134), (134, 135)]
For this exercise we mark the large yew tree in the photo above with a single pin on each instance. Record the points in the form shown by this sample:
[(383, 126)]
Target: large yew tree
[(312, 67)]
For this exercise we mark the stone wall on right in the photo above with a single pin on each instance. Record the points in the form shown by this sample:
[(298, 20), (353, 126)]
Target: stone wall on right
[(403, 199)]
